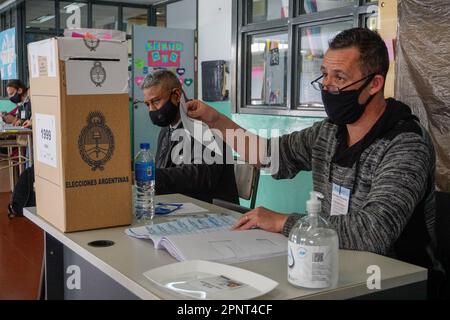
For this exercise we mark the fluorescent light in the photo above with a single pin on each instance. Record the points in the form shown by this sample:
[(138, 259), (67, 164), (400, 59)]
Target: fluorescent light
[(43, 19)]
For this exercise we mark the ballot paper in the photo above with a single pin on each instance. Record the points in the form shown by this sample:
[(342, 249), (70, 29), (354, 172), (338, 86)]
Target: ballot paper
[(210, 238), (199, 223), (200, 131)]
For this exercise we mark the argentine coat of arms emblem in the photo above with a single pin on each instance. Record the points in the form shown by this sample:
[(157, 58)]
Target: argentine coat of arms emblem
[(96, 141), (98, 74), (92, 44)]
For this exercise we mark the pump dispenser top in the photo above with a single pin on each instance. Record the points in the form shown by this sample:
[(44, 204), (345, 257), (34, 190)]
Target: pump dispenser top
[(314, 205)]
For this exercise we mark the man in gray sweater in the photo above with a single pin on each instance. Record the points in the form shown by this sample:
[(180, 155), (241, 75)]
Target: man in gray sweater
[(371, 159)]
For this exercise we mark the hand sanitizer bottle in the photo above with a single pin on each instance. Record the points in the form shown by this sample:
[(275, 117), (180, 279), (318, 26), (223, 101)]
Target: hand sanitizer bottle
[(313, 249)]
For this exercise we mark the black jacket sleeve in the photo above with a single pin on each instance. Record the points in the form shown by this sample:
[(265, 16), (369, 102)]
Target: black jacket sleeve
[(192, 178), (200, 178)]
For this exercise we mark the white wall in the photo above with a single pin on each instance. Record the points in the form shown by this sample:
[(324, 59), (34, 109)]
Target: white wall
[(214, 33), (182, 15)]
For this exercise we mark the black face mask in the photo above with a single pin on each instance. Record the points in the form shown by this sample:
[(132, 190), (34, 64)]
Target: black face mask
[(165, 115), (15, 98), (343, 108)]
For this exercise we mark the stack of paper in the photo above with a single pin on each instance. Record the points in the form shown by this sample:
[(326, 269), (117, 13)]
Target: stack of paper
[(10, 127), (183, 225), (211, 238)]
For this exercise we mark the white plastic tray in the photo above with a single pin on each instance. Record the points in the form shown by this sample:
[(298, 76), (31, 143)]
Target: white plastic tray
[(199, 279)]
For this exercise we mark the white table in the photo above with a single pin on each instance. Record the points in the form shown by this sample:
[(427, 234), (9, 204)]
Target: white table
[(116, 271)]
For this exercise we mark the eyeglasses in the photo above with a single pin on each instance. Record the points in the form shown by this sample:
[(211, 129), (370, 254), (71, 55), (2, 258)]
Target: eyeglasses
[(319, 86)]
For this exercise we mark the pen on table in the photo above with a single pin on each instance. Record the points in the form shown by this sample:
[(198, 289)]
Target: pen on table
[(179, 205)]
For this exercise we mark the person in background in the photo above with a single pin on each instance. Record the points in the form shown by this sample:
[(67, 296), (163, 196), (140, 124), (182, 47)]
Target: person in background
[(18, 93), (162, 94), (371, 159)]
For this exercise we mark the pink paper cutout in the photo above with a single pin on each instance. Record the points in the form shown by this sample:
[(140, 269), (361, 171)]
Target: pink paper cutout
[(138, 80)]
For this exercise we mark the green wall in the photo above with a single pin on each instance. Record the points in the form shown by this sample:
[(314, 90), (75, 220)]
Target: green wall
[(6, 105), (287, 195)]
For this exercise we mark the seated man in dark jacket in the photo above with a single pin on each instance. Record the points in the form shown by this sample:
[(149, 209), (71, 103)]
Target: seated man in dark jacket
[(162, 94)]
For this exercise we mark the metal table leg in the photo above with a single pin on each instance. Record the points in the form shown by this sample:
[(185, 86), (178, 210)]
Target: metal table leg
[(11, 170)]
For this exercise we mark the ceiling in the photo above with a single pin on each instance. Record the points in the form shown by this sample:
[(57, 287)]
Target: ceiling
[(138, 1), (125, 1), (103, 15)]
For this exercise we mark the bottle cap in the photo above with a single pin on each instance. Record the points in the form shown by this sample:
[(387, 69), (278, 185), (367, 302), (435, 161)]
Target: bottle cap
[(145, 146)]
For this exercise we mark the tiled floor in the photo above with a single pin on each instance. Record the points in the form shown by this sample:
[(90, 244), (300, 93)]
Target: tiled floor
[(21, 250)]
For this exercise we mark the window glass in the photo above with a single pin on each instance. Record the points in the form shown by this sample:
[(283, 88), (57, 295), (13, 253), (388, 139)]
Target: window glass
[(313, 45), (311, 6), (105, 17), (161, 17), (268, 69), (40, 15), (263, 10), (134, 16)]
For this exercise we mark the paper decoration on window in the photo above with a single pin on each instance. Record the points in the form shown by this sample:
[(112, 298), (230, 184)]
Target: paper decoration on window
[(164, 53), (139, 80), (284, 8), (181, 71), (8, 58), (139, 63), (274, 54)]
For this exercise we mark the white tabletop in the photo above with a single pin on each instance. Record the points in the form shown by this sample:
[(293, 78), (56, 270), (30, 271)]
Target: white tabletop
[(126, 261), (9, 129)]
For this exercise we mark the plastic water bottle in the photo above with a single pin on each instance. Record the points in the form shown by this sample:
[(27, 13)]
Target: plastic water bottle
[(144, 169)]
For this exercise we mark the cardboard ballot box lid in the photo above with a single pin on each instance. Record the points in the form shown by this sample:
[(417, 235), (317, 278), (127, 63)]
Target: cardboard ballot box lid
[(70, 66), (85, 48)]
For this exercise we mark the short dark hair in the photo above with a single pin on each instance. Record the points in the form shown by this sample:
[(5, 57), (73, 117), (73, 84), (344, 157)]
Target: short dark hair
[(374, 57), (166, 78), (17, 84)]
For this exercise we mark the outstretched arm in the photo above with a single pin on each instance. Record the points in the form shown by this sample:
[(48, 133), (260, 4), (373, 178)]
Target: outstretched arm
[(247, 144)]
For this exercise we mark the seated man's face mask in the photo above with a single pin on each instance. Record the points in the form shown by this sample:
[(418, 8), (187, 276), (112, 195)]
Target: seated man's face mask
[(164, 115), (343, 107)]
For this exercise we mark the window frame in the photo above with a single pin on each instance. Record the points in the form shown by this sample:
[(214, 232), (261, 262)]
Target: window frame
[(242, 29), (247, 59)]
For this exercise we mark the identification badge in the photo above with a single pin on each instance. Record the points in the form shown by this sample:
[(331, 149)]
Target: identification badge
[(339, 200), (22, 114)]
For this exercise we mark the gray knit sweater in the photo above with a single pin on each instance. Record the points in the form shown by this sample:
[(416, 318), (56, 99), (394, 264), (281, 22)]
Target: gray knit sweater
[(390, 173)]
